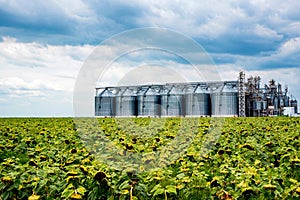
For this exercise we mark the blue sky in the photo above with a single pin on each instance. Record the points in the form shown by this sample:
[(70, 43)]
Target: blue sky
[(43, 44)]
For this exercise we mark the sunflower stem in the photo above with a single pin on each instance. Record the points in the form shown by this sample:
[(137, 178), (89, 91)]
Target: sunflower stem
[(131, 188), (166, 196)]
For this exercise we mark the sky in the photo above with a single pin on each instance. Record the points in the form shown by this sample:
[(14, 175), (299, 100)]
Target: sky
[(45, 44)]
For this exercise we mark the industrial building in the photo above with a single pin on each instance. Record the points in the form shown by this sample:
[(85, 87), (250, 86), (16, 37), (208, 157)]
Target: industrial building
[(228, 98)]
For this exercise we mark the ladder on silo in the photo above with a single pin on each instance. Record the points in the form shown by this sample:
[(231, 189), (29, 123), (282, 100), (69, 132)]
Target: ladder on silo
[(242, 99)]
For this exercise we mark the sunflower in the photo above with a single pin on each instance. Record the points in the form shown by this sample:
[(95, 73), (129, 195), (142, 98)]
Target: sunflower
[(34, 197)]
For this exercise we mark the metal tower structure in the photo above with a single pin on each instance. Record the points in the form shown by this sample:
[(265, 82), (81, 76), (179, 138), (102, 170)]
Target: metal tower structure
[(242, 99)]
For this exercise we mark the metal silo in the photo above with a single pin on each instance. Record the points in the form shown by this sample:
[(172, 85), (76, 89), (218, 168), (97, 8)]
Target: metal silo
[(140, 100), (118, 101), (149, 101), (126, 102), (224, 100), (164, 92), (294, 103), (171, 100), (189, 99), (104, 103), (275, 104), (257, 105), (197, 100), (264, 105)]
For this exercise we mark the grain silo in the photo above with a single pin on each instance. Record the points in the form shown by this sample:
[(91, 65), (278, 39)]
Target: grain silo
[(224, 99), (197, 100), (105, 103), (172, 100), (227, 98), (126, 102), (164, 93), (148, 99)]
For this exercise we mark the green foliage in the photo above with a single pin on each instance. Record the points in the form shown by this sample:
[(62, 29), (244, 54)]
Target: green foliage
[(254, 158)]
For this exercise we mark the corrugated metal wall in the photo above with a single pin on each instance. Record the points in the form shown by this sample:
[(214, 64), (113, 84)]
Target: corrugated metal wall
[(169, 100), (197, 101), (126, 101), (148, 101), (224, 100), (105, 104)]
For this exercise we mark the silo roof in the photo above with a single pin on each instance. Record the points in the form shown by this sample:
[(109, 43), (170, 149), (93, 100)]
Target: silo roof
[(230, 88), (153, 91), (142, 90), (177, 90), (107, 93), (201, 90), (165, 90), (129, 92)]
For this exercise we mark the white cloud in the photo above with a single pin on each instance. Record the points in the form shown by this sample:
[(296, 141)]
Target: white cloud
[(292, 28), (266, 32), (202, 20), (284, 76), (191, 17), (41, 65), (77, 10), (290, 47), (143, 73), (286, 55), (17, 87), (31, 72)]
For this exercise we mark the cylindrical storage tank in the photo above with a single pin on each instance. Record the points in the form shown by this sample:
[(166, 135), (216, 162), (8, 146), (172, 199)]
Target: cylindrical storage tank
[(118, 102), (126, 102), (148, 102), (294, 103), (286, 101), (148, 105), (174, 105), (257, 105), (164, 100), (171, 101), (281, 101), (264, 105), (104, 104), (97, 106), (275, 102), (164, 104), (197, 101), (224, 101)]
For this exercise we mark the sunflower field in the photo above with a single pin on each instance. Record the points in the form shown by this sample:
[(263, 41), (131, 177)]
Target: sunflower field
[(150, 158)]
